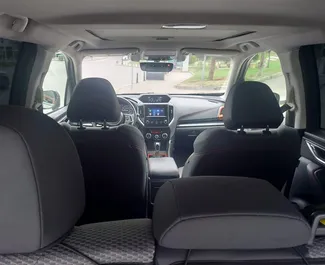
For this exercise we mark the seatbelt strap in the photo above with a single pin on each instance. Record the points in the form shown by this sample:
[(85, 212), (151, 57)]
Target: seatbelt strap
[(285, 107), (289, 106)]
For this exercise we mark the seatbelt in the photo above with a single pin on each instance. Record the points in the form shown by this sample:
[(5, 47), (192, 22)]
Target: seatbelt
[(285, 107), (291, 96)]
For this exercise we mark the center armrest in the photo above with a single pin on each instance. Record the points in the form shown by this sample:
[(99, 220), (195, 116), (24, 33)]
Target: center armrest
[(163, 168)]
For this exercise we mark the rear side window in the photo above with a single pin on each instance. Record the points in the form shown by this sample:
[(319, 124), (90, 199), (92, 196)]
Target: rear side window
[(9, 52), (265, 67)]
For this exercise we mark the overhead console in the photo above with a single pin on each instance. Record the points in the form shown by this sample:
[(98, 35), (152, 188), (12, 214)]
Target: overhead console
[(156, 114)]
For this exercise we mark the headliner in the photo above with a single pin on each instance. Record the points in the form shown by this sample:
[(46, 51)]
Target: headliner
[(279, 24)]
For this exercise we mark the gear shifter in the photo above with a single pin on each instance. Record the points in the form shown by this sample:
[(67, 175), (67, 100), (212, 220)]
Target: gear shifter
[(157, 149)]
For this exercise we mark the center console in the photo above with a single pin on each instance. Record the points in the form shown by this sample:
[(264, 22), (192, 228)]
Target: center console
[(156, 114), (160, 170)]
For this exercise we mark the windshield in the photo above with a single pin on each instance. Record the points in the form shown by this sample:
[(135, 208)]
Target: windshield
[(196, 75)]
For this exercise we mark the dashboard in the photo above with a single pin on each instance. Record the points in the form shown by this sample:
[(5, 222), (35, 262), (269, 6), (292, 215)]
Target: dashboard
[(172, 121), (189, 110)]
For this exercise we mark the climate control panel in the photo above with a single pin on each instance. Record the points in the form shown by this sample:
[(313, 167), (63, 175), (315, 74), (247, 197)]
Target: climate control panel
[(157, 134)]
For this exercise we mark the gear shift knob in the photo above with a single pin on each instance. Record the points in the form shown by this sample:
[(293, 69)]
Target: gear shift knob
[(157, 146)]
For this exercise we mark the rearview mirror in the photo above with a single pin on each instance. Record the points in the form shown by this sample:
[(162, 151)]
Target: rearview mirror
[(156, 67), (51, 100)]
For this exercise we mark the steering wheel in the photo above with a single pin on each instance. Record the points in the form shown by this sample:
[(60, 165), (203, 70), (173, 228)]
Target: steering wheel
[(131, 116)]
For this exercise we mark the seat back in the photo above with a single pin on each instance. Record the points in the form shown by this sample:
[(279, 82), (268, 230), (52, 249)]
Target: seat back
[(218, 220), (41, 182), (115, 171), (247, 146), (113, 157)]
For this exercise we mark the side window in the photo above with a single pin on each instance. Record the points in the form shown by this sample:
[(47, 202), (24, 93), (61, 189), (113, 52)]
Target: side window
[(9, 52), (55, 84), (266, 67)]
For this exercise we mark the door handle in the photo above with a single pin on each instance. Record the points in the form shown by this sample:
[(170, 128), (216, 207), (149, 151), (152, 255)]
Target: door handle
[(317, 151)]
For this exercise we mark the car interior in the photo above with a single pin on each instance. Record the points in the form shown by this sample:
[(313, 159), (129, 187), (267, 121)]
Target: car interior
[(162, 132)]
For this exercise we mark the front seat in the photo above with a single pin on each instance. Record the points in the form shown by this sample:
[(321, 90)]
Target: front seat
[(113, 156), (246, 146)]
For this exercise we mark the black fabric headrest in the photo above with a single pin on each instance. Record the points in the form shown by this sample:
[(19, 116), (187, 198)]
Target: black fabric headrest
[(251, 105), (41, 183), (94, 99), (226, 213)]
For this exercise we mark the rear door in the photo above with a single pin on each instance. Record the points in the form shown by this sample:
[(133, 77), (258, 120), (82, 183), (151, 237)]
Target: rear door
[(308, 185)]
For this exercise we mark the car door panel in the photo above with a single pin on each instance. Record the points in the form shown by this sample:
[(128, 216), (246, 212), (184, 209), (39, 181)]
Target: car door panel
[(309, 182), (308, 186)]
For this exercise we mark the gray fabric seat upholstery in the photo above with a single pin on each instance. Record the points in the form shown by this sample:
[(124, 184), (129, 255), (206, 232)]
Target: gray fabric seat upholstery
[(221, 213), (252, 144), (113, 159), (41, 181), (43, 196), (211, 219)]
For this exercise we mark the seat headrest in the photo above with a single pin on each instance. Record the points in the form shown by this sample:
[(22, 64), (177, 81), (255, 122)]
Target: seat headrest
[(94, 99), (226, 213), (41, 183), (251, 105)]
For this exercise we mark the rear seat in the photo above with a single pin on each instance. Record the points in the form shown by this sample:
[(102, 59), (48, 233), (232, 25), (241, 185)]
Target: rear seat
[(226, 219), (201, 220)]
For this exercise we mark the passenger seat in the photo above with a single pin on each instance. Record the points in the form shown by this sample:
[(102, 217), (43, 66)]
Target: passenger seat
[(252, 144), (113, 157)]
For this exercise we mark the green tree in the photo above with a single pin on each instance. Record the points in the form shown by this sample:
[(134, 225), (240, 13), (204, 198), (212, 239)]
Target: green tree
[(193, 59)]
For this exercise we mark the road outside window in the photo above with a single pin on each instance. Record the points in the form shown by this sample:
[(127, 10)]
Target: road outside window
[(55, 84), (266, 67)]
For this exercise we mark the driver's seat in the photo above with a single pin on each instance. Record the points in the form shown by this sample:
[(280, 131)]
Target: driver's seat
[(113, 157)]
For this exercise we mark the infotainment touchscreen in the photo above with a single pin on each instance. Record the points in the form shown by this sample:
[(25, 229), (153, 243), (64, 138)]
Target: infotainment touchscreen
[(156, 111)]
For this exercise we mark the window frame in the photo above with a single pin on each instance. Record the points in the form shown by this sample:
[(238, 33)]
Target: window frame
[(70, 82), (246, 64)]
